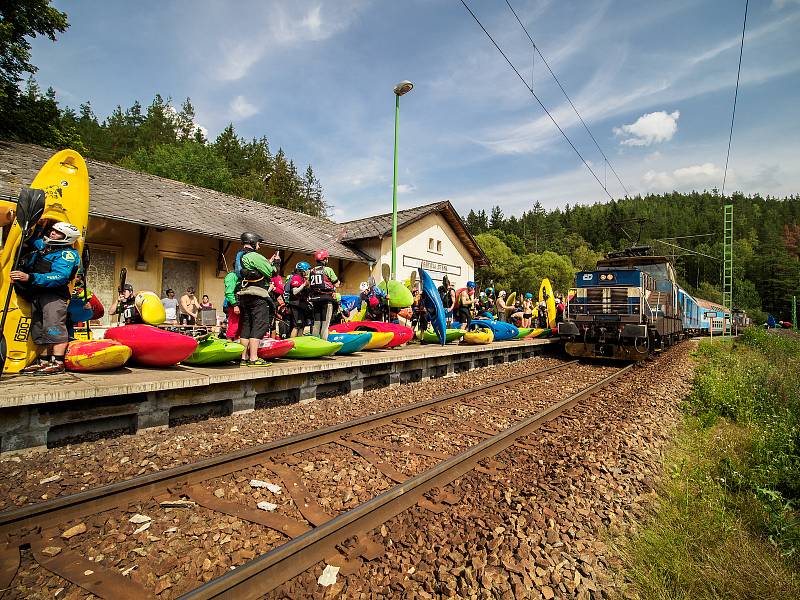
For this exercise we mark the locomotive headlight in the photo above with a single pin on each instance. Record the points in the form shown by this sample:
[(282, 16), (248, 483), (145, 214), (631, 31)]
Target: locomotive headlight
[(603, 277)]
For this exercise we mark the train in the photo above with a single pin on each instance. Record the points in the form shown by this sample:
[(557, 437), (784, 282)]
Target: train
[(631, 306)]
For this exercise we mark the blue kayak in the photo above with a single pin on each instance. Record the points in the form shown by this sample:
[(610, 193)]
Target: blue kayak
[(351, 342), (502, 331), (433, 305)]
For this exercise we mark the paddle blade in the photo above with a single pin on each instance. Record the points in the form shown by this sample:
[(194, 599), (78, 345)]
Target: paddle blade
[(413, 279), (123, 276), (386, 271), (30, 208)]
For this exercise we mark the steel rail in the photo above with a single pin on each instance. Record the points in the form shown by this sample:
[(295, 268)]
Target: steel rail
[(263, 574), (16, 522)]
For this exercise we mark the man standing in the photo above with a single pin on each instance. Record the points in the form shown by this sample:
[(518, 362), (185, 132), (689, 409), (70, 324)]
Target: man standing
[(44, 280), (188, 308), (464, 302), (254, 272), (170, 307), (321, 287)]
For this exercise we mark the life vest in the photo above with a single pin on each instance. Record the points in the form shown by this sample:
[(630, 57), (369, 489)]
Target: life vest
[(295, 281), (41, 261), (446, 296), (320, 285), (248, 277)]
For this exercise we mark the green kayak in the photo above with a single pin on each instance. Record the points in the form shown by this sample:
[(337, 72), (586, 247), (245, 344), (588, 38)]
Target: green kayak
[(309, 346), (399, 295), (214, 351), (451, 335), (523, 332)]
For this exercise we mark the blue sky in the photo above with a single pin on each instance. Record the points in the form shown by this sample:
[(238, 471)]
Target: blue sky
[(654, 81)]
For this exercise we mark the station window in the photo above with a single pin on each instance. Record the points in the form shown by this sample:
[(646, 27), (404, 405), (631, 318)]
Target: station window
[(438, 245), (430, 243)]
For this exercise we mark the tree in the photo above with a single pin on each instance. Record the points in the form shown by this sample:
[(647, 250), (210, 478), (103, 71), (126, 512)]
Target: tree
[(496, 220), (189, 162)]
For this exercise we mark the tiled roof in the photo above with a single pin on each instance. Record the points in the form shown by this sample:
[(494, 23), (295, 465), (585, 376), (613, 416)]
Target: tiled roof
[(707, 304), (381, 225), (125, 195)]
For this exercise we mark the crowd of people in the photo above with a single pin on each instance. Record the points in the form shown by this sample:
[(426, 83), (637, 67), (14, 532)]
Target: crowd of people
[(258, 302)]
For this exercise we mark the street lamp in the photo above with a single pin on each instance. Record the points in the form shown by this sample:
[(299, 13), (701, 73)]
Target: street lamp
[(401, 88)]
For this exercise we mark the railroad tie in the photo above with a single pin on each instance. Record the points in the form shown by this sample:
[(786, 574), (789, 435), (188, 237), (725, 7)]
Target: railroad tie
[(303, 499), (375, 460)]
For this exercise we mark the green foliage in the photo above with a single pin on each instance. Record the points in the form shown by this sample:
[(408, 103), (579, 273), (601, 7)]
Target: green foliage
[(766, 259), (188, 161), (756, 385)]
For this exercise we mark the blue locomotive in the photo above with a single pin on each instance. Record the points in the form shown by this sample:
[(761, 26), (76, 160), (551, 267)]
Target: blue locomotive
[(628, 308)]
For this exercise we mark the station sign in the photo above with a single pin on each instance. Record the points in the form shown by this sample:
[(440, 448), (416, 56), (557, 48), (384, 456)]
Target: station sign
[(429, 265)]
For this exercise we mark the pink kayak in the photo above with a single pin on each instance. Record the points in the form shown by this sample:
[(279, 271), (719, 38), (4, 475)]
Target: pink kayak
[(152, 346), (402, 334), (271, 348)]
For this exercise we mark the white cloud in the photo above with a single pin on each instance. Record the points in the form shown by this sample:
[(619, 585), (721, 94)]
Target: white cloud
[(683, 178), (405, 188), (650, 128), (242, 109), (279, 28)]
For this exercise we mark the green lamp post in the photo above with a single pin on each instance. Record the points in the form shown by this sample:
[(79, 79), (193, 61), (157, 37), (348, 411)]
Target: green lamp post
[(401, 88)]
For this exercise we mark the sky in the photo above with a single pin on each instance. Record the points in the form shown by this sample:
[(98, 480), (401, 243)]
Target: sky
[(654, 81)]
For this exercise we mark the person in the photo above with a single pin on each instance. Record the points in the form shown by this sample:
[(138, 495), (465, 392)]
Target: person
[(125, 307), (88, 305), (543, 314), (188, 307), (448, 295), (43, 279), (295, 294), (560, 307), (206, 302), (170, 307), (277, 284), (254, 272), (465, 299), (527, 309), (321, 287), (231, 305), (501, 307)]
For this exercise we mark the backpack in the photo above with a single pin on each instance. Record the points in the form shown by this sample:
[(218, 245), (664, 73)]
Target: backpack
[(320, 285)]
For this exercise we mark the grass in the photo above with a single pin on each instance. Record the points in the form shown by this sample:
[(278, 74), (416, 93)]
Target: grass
[(726, 524)]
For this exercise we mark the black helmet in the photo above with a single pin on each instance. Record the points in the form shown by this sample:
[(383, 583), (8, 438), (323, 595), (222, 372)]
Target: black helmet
[(251, 238)]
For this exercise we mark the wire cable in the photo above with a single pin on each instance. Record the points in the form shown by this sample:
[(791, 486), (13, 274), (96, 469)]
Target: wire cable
[(546, 64), (530, 89), (735, 96)]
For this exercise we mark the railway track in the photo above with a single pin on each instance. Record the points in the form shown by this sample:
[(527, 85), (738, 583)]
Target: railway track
[(312, 530)]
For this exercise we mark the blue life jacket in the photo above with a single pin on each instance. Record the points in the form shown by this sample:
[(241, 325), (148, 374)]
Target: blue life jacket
[(51, 269)]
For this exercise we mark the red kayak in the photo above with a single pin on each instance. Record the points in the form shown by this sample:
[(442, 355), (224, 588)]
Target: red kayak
[(152, 346), (271, 348), (402, 334)]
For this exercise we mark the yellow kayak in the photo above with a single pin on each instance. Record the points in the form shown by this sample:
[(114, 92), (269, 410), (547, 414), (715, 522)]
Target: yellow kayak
[(150, 307), (380, 339), (478, 336), (65, 182)]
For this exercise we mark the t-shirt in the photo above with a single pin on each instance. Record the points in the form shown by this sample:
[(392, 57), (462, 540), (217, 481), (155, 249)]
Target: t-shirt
[(170, 308)]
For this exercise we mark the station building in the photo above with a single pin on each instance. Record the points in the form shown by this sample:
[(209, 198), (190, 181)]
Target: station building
[(169, 234)]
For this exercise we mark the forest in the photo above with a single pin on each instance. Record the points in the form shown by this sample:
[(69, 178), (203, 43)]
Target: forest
[(684, 226)]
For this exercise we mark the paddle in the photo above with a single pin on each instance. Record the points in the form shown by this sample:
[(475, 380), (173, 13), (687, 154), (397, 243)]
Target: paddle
[(86, 259), (30, 208), (386, 271), (123, 276)]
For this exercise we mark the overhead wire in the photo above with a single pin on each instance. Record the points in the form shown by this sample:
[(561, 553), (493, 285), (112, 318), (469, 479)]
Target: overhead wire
[(735, 96), (530, 89), (546, 64)]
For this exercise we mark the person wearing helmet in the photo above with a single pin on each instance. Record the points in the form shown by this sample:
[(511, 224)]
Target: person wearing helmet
[(43, 279), (500, 306), (465, 302), (448, 295), (527, 310), (322, 282), (295, 294), (254, 272)]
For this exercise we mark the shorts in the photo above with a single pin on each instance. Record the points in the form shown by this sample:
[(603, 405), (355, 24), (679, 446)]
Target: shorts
[(254, 317), (462, 315), (299, 315), (185, 319), (49, 319)]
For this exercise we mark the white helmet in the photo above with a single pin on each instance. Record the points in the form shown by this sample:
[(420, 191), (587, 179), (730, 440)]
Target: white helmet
[(71, 234), (363, 287), (502, 293)]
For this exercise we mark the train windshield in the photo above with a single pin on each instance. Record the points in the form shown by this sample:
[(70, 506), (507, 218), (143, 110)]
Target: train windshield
[(659, 272)]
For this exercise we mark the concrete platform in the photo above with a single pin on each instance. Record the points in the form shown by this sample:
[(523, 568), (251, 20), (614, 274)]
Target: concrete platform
[(46, 411)]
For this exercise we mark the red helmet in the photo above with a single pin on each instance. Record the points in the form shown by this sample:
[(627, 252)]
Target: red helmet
[(373, 302), (321, 255)]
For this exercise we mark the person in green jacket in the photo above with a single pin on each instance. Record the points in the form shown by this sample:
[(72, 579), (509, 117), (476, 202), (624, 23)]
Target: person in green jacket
[(231, 305), (254, 272)]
